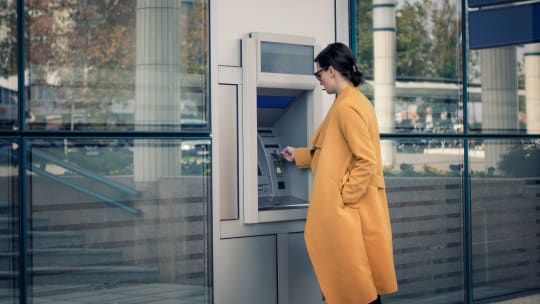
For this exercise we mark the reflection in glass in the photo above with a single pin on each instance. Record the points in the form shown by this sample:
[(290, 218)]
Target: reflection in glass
[(504, 94), (531, 62), (417, 87), (117, 65), (411, 54), (505, 217), (109, 234), (8, 66), (9, 221), (424, 189)]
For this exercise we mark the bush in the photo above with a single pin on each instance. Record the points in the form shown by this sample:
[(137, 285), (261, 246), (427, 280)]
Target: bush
[(522, 160)]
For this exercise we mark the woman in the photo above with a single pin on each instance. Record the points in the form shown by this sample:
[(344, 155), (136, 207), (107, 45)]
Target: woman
[(347, 231)]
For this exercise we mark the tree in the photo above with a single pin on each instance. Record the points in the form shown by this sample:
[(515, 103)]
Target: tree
[(194, 50), (8, 38), (446, 33), (413, 40), (364, 34), (101, 50), (83, 51)]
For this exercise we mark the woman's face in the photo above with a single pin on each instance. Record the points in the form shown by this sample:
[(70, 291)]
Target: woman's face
[(325, 78)]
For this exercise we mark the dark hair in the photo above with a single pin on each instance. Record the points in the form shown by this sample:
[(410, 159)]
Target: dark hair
[(342, 59)]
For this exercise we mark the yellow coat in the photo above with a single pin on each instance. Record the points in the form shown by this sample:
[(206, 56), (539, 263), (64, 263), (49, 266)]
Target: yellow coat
[(347, 233)]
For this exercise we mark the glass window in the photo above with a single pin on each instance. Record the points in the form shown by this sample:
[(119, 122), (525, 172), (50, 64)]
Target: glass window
[(117, 65), (8, 66), (410, 52), (120, 220), (504, 93), (505, 187), (424, 189)]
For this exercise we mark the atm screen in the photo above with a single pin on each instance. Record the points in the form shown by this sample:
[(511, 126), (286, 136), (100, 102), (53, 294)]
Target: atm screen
[(279, 170), (286, 58)]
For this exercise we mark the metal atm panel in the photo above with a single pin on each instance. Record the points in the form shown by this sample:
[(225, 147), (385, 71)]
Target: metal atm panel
[(273, 179), (276, 111)]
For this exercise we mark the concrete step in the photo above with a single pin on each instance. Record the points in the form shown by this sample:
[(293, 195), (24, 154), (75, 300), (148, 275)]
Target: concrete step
[(125, 293), (44, 239), (97, 275), (9, 224), (65, 257), (107, 275)]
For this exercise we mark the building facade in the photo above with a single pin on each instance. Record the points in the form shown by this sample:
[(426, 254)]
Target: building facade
[(132, 133)]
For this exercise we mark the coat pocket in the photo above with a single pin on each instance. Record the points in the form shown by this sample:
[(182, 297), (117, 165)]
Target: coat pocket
[(344, 180), (372, 193)]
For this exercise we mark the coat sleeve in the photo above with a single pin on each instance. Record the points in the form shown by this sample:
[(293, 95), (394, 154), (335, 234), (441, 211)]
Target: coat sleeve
[(302, 157), (356, 131)]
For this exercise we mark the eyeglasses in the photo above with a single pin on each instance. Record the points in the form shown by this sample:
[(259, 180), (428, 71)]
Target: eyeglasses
[(318, 73)]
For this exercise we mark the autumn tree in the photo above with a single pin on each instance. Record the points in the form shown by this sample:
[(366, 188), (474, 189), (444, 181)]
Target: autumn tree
[(8, 38), (194, 45), (101, 52)]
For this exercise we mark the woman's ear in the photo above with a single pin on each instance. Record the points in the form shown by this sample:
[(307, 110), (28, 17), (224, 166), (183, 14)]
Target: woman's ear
[(332, 71)]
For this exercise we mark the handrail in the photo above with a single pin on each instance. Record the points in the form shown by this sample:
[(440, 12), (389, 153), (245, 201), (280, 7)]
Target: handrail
[(86, 173), (84, 190)]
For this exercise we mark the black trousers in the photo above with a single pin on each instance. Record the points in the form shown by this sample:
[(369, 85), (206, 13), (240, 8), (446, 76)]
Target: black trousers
[(377, 301)]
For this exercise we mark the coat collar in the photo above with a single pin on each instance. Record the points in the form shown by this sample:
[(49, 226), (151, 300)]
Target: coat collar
[(318, 136)]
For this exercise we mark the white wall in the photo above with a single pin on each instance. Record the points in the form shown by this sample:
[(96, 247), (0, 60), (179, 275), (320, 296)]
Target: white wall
[(232, 19)]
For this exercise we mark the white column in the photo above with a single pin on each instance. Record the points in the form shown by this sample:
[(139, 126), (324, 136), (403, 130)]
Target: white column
[(157, 87), (532, 87), (499, 97), (384, 75)]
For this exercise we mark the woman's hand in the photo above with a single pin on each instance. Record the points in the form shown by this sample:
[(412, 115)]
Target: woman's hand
[(288, 153)]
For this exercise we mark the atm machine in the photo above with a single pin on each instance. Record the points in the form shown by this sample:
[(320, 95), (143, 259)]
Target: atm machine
[(279, 108)]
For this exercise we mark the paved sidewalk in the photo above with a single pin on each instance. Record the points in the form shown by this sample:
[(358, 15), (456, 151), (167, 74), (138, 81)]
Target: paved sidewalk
[(535, 299)]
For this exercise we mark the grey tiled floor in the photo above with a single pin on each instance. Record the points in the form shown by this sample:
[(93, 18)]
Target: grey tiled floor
[(525, 300)]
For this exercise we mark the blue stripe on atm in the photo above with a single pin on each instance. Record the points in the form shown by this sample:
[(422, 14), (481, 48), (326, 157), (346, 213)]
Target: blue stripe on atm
[(280, 102)]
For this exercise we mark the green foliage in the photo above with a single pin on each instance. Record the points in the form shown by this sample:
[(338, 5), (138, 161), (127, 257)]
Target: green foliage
[(427, 38), (408, 170), (446, 49), (119, 161), (412, 41), (522, 160), (489, 173), (364, 35), (107, 162)]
